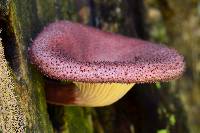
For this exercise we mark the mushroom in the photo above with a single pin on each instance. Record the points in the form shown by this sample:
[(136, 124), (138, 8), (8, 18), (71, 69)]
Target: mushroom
[(101, 66)]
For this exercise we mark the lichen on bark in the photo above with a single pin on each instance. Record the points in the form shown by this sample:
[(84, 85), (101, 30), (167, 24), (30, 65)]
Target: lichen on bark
[(12, 118)]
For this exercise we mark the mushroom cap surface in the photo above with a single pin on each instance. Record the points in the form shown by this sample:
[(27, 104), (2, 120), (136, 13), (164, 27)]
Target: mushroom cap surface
[(70, 51)]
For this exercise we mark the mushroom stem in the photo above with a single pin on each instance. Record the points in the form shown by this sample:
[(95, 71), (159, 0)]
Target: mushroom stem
[(86, 94), (60, 94)]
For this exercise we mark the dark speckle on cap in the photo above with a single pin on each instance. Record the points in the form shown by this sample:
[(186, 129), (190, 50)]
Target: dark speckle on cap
[(71, 51)]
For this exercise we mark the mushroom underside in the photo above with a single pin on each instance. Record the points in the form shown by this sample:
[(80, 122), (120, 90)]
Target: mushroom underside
[(87, 94)]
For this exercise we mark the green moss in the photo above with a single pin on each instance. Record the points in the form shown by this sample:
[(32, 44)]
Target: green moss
[(78, 119), (38, 90), (172, 119), (158, 85), (163, 131)]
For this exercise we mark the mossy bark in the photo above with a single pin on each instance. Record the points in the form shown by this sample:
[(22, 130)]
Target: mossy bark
[(19, 24)]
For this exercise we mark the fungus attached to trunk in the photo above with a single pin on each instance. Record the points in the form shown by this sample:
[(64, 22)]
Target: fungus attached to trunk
[(102, 66)]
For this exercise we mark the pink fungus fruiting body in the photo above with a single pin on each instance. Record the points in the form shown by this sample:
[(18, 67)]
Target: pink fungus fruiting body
[(70, 51)]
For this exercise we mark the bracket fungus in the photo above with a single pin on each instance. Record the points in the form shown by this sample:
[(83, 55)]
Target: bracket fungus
[(102, 66)]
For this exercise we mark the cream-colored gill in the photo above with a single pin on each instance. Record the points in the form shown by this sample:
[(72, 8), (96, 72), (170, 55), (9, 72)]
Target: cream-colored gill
[(100, 94)]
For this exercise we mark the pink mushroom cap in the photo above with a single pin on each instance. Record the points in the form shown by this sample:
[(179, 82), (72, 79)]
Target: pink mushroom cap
[(70, 51)]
